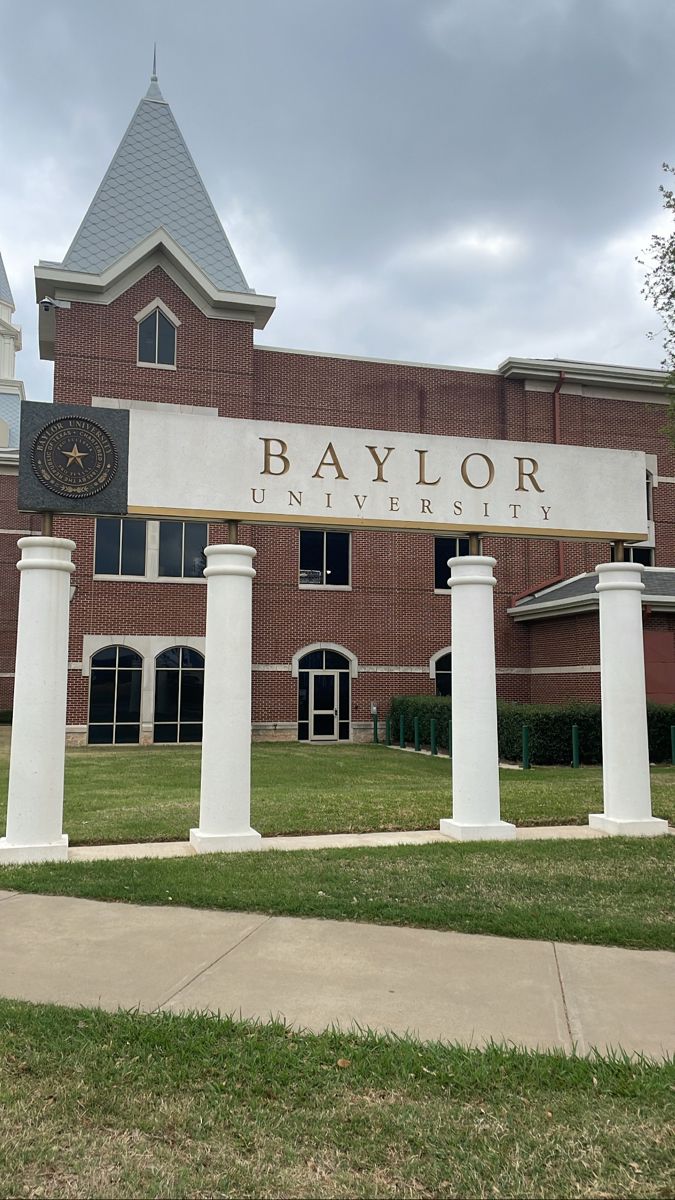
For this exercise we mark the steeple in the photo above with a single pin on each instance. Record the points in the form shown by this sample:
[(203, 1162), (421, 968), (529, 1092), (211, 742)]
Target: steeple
[(152, 183), (11, 389)]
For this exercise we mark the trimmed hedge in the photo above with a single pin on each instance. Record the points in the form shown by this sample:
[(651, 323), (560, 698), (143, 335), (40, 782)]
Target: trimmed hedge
[(550, 728), (5, 716)]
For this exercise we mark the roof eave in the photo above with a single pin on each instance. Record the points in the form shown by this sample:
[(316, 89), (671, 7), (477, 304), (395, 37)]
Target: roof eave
[(579, 604), (249, 306), (592, 374)]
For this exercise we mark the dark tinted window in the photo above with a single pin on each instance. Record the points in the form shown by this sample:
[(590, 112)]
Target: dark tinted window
[(337, 559), (311, 556), (324, 558), (107, 546), (147, 339), (166, 341), (445, 548), (194, 559), (133, 548), (171, 548)]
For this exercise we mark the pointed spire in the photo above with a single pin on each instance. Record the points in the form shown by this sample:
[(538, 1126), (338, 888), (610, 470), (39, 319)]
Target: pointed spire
[(153, 92), (5, 290), (153, 183)]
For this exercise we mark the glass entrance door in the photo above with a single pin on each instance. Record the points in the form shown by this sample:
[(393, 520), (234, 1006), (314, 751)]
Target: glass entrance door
[(324, 706)]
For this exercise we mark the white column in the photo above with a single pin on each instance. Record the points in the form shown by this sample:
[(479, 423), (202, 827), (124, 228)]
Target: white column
[(35, 796), (625, 748), (225, 802), (475, 752)]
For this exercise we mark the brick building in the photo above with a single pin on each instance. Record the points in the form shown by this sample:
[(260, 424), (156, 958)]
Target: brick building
[(150, 307)]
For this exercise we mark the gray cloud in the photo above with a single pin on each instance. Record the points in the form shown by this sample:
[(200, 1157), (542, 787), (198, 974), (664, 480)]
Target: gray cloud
[(439, 180)]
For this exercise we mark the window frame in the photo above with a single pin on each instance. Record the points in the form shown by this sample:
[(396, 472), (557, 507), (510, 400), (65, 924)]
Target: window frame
[(326, 587), (179, 722), (182, 578), (119, 575), (115, 671), (151, 554), (157, 306), (457, 537)]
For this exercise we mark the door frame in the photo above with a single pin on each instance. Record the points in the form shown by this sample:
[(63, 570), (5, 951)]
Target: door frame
[(335, 735)]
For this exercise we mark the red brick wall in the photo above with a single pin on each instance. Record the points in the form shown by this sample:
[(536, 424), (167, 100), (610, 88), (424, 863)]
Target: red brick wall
[(391, 617)]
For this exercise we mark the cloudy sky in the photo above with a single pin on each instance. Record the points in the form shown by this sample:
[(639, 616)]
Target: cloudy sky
[(448, 181)]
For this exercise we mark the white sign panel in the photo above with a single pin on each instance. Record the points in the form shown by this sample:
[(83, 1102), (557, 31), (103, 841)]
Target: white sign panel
[(200, 465)]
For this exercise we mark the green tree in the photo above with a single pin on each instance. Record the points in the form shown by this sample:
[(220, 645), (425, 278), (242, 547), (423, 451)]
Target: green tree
[(659, 288)]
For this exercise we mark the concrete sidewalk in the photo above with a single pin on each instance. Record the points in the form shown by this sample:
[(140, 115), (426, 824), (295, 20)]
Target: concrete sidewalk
[(452, 986)]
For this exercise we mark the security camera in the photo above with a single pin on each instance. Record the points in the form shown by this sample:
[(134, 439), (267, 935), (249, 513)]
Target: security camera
[(48, 303)]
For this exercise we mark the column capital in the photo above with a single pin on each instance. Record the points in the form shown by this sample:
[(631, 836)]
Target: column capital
[(45, 554), (619, 576), (229, 559), (472, 569)]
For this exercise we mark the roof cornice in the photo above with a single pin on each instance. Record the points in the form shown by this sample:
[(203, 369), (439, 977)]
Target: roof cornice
[(578, 604), (636, 379), (13, 385), (107, 286)]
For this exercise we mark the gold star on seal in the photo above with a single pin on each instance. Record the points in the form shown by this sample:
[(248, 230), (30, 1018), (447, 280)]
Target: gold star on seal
[(75, 455)]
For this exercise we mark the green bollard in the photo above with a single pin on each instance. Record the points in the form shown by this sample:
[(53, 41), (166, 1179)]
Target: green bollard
[(432, 734), (672, 744), (526, 748), (449, 739), (387, 730), (416, 729), (575, 745), (401, 731), (375, 730)]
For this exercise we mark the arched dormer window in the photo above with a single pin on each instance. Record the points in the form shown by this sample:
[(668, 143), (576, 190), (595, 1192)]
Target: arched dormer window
[(157, 327)]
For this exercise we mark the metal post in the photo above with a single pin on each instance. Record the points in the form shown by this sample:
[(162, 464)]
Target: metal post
[(672, 744), (450, 739), (401, 731), (432, 733), (387, 731), (416, 732), (575, 745), (526, 748), (375, 732)]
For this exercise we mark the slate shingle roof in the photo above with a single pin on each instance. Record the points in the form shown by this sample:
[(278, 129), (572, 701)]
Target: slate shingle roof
[(5, 290), (657, 582), (152, 182)]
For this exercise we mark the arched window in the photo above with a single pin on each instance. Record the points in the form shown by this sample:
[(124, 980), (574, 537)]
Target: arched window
[(179, 695), (115, 696), (324, 703), (157, 340), (444, 675)]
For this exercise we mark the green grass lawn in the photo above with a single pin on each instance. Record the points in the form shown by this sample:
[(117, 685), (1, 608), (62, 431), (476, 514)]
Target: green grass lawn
[(100, 1105), (607, 891), (152, 793)]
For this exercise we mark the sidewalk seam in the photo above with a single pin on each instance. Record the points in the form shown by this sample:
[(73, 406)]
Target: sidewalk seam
[(573, 1043), (266, 919)]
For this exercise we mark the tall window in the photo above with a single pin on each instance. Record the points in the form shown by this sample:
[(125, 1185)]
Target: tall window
[(115, 696), (444, 675), (120, 546), (157, 340), (324, 558), (445, 548), (181, 548), (179, 695)]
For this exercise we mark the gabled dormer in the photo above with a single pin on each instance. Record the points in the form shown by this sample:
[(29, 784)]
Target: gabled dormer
[(151, 209)]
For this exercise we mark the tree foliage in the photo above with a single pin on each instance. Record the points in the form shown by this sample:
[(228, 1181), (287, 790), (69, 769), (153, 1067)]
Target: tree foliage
[(659, 288)]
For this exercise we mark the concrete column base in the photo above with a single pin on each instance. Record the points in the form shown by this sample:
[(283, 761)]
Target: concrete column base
[(500, 832), (648, 827), (213, 843), (10, 852)]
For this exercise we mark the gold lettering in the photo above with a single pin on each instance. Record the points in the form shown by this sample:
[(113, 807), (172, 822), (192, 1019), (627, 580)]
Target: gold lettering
[(270, 454), (393, 504), (295, 496), (328, 501), (423, 462), (457, 508), (330, 459), (254, 495), (465, 471), (360, 500), (380, 462), (426, 506), (523, 474), (485, 509), (513, 508), (545, 511)]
